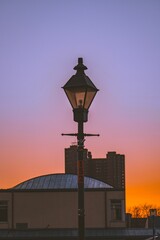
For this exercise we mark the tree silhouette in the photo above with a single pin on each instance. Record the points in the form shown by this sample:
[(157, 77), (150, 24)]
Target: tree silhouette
[(143, 210)]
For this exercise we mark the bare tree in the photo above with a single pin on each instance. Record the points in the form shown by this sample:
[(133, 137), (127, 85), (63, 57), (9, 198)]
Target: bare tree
[(143, 210)]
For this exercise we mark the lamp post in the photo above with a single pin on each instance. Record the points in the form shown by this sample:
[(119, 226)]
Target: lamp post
[(153, 214), (80, 92)]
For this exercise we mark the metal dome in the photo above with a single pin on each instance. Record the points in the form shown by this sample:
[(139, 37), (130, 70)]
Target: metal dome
[(60, 181)]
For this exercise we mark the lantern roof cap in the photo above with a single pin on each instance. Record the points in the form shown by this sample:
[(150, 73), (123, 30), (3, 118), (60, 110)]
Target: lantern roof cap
[(80, 79), (80, 65)]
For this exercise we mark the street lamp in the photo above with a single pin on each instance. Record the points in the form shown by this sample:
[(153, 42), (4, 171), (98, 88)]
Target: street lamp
[(80, 92)]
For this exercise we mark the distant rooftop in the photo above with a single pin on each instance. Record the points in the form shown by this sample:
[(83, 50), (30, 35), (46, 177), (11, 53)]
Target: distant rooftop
[(60, 181)]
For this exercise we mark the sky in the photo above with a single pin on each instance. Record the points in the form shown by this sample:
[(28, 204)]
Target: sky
[(119, 41)]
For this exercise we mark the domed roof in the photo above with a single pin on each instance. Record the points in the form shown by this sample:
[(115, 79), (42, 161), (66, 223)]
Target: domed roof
[(59, 181)]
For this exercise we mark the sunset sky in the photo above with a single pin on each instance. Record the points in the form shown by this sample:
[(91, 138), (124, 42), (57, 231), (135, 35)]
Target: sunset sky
[(40, 42)]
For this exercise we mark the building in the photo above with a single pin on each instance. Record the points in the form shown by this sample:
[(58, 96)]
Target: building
[(50, 202), (45, 208), (110, 170)]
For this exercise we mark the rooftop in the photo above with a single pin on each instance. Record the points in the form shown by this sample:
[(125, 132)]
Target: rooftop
[(60, 181)]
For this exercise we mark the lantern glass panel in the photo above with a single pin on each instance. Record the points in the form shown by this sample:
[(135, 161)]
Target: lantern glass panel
[(90, 94), (80, 97), (76, 97)]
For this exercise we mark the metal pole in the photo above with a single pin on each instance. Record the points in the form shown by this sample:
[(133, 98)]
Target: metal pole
[(153, 227), (80, 171)]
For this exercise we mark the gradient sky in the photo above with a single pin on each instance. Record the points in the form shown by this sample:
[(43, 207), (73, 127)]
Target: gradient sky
[(119, 40)]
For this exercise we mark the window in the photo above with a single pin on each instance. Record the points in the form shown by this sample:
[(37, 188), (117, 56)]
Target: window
[(116, 210), (3, 211)]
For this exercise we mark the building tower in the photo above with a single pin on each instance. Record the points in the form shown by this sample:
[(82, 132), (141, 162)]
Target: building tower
[(110, 170)]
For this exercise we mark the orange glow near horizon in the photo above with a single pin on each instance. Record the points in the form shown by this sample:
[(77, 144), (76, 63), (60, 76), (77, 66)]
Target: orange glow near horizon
[(140, 188), (135, 194)]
